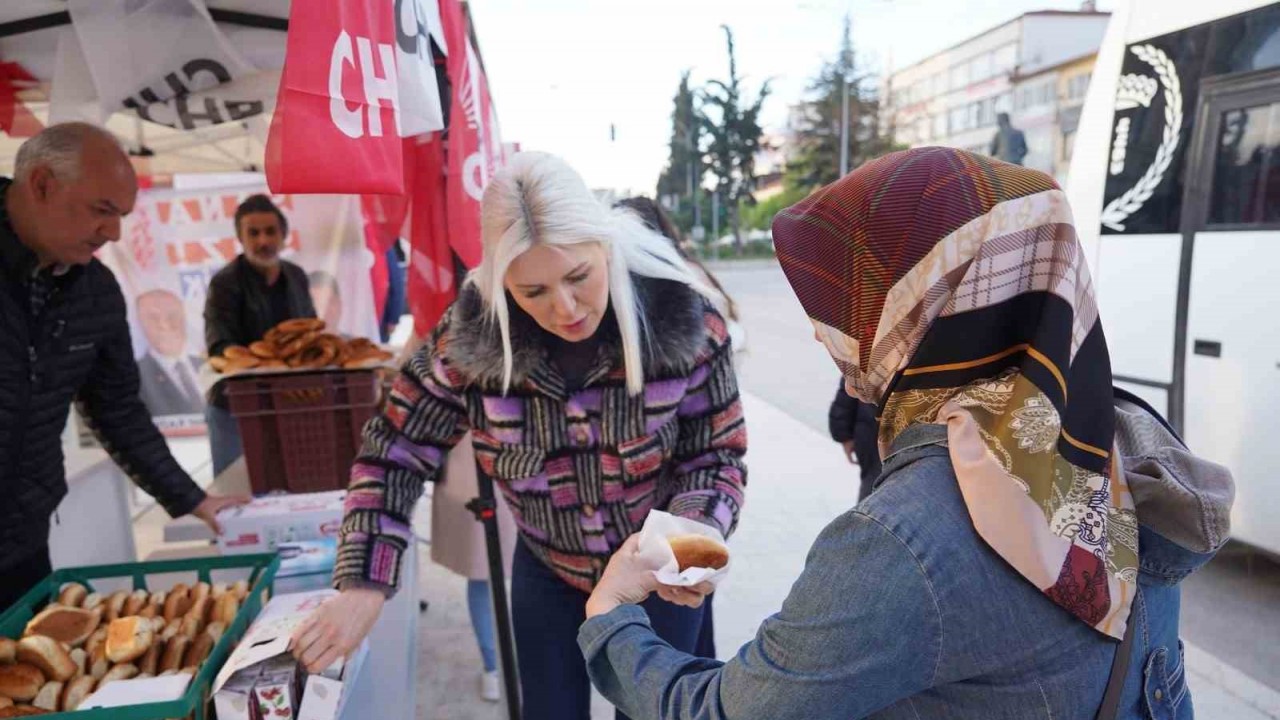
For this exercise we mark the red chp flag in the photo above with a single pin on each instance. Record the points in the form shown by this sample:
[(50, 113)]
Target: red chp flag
[(352, 85), (475, 145), (448, 184)]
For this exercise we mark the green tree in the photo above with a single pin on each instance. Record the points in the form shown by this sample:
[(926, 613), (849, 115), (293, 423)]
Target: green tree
[(732, 124), (685, 170), (815, 127)]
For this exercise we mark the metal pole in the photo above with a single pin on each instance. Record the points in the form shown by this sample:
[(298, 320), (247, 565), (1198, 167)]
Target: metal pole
[(844, 123), (715, 225), (485, 508)]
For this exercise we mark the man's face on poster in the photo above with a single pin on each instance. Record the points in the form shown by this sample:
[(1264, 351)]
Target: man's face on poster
[(164, 322)]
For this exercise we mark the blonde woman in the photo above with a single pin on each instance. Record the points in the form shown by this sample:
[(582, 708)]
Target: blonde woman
[(596, 380)]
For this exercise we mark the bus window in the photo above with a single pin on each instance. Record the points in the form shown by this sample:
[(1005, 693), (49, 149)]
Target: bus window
[(1246, 173)]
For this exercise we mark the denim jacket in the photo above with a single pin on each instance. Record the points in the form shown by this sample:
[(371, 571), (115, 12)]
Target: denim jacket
[(903, 612)]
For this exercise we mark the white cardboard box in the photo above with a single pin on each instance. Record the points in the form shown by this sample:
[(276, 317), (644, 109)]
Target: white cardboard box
[(268, 521), (268, 638), (325, 697)]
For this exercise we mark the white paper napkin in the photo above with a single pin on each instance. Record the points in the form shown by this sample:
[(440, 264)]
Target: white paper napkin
[(656, 551)]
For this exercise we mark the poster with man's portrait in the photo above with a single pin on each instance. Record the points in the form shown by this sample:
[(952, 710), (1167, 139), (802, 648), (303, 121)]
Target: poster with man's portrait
[(176, 240)]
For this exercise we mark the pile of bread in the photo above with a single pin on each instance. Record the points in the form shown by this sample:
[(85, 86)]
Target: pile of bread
[(85, 640), (300, 344)]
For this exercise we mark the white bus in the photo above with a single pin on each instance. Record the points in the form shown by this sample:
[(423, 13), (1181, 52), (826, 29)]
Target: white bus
[(1175, 183)]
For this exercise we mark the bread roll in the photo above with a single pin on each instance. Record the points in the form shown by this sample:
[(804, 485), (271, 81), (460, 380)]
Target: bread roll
[(241, 589), (128, 639), (22, 711), (71, 625), (91, 601), (698, 551), (200, 591), (5, 702), (151, 660), (217, 590), (8, 650), (191, 626), (174, 653), (49, 696), (99, 668), (198, 651), (21, 681), (76, 691), (215, 631), (201, 609), (236, 352), (48, 655), (81, 659), (225, 609), (123, 671), (135, 604), (96, 645), (171, 630), (73, 595), (115, 604), (177, 602), (263, 350)]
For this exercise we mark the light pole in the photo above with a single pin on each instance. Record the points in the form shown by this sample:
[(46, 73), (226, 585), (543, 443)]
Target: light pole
[(844, 120)]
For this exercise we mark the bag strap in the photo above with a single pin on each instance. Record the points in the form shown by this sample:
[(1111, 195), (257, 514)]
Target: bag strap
[(1110, 707)]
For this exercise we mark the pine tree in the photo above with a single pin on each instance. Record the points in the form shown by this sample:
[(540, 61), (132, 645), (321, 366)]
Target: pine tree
[(815, 124), (685, 170)]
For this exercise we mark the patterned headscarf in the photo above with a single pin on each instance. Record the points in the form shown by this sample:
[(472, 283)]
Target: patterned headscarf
[(950, 288)]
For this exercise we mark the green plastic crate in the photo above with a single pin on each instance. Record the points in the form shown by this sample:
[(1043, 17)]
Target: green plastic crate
[(261, 571)]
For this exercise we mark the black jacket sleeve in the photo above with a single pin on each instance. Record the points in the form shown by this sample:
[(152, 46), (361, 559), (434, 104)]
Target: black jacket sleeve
[(842, 418), (222, 313), (112, 408)]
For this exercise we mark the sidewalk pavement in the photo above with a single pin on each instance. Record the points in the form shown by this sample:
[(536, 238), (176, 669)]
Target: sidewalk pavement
[(799, 482)]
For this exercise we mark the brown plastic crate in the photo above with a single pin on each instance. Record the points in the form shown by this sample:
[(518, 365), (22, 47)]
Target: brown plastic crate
[(301, 432)]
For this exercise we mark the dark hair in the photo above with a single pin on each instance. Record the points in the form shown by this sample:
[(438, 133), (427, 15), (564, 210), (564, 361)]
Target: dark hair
[(656, 218), (653, 216), (261, 204)]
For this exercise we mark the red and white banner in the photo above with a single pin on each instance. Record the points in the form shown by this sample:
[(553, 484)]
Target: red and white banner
[(358, 77), (475, 143), (173, 243), (447, 185)]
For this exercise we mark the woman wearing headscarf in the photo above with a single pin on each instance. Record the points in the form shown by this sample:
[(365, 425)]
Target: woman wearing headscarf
[(596, 381), (995, 568)]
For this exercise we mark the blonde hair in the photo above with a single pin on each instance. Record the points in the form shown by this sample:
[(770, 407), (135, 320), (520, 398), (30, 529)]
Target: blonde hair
[(538, 199)]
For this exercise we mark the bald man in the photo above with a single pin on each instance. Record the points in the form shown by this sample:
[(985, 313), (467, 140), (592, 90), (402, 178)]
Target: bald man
[(64, 338)]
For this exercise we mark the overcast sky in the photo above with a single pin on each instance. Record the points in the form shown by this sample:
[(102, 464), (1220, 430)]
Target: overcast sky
[(562, 71)]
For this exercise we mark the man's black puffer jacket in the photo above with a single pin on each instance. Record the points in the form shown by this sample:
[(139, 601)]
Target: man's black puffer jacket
[(77, 350)]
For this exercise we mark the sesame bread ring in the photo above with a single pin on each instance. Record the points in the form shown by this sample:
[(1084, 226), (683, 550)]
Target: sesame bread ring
[(301, 325), (235, 365), (233, 352), (219, 363), (263, 350)]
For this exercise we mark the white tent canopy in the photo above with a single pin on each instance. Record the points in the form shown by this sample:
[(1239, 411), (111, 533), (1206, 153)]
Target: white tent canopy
[(203, 72)]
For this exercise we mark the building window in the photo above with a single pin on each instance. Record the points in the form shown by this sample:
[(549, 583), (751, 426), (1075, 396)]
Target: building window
[(980, 67), (922, 129), (959, 76), (1078, 86), (1068, 144), (1037, 95), (939, 126), (1006, 58), (957, 119), (939, 83)]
